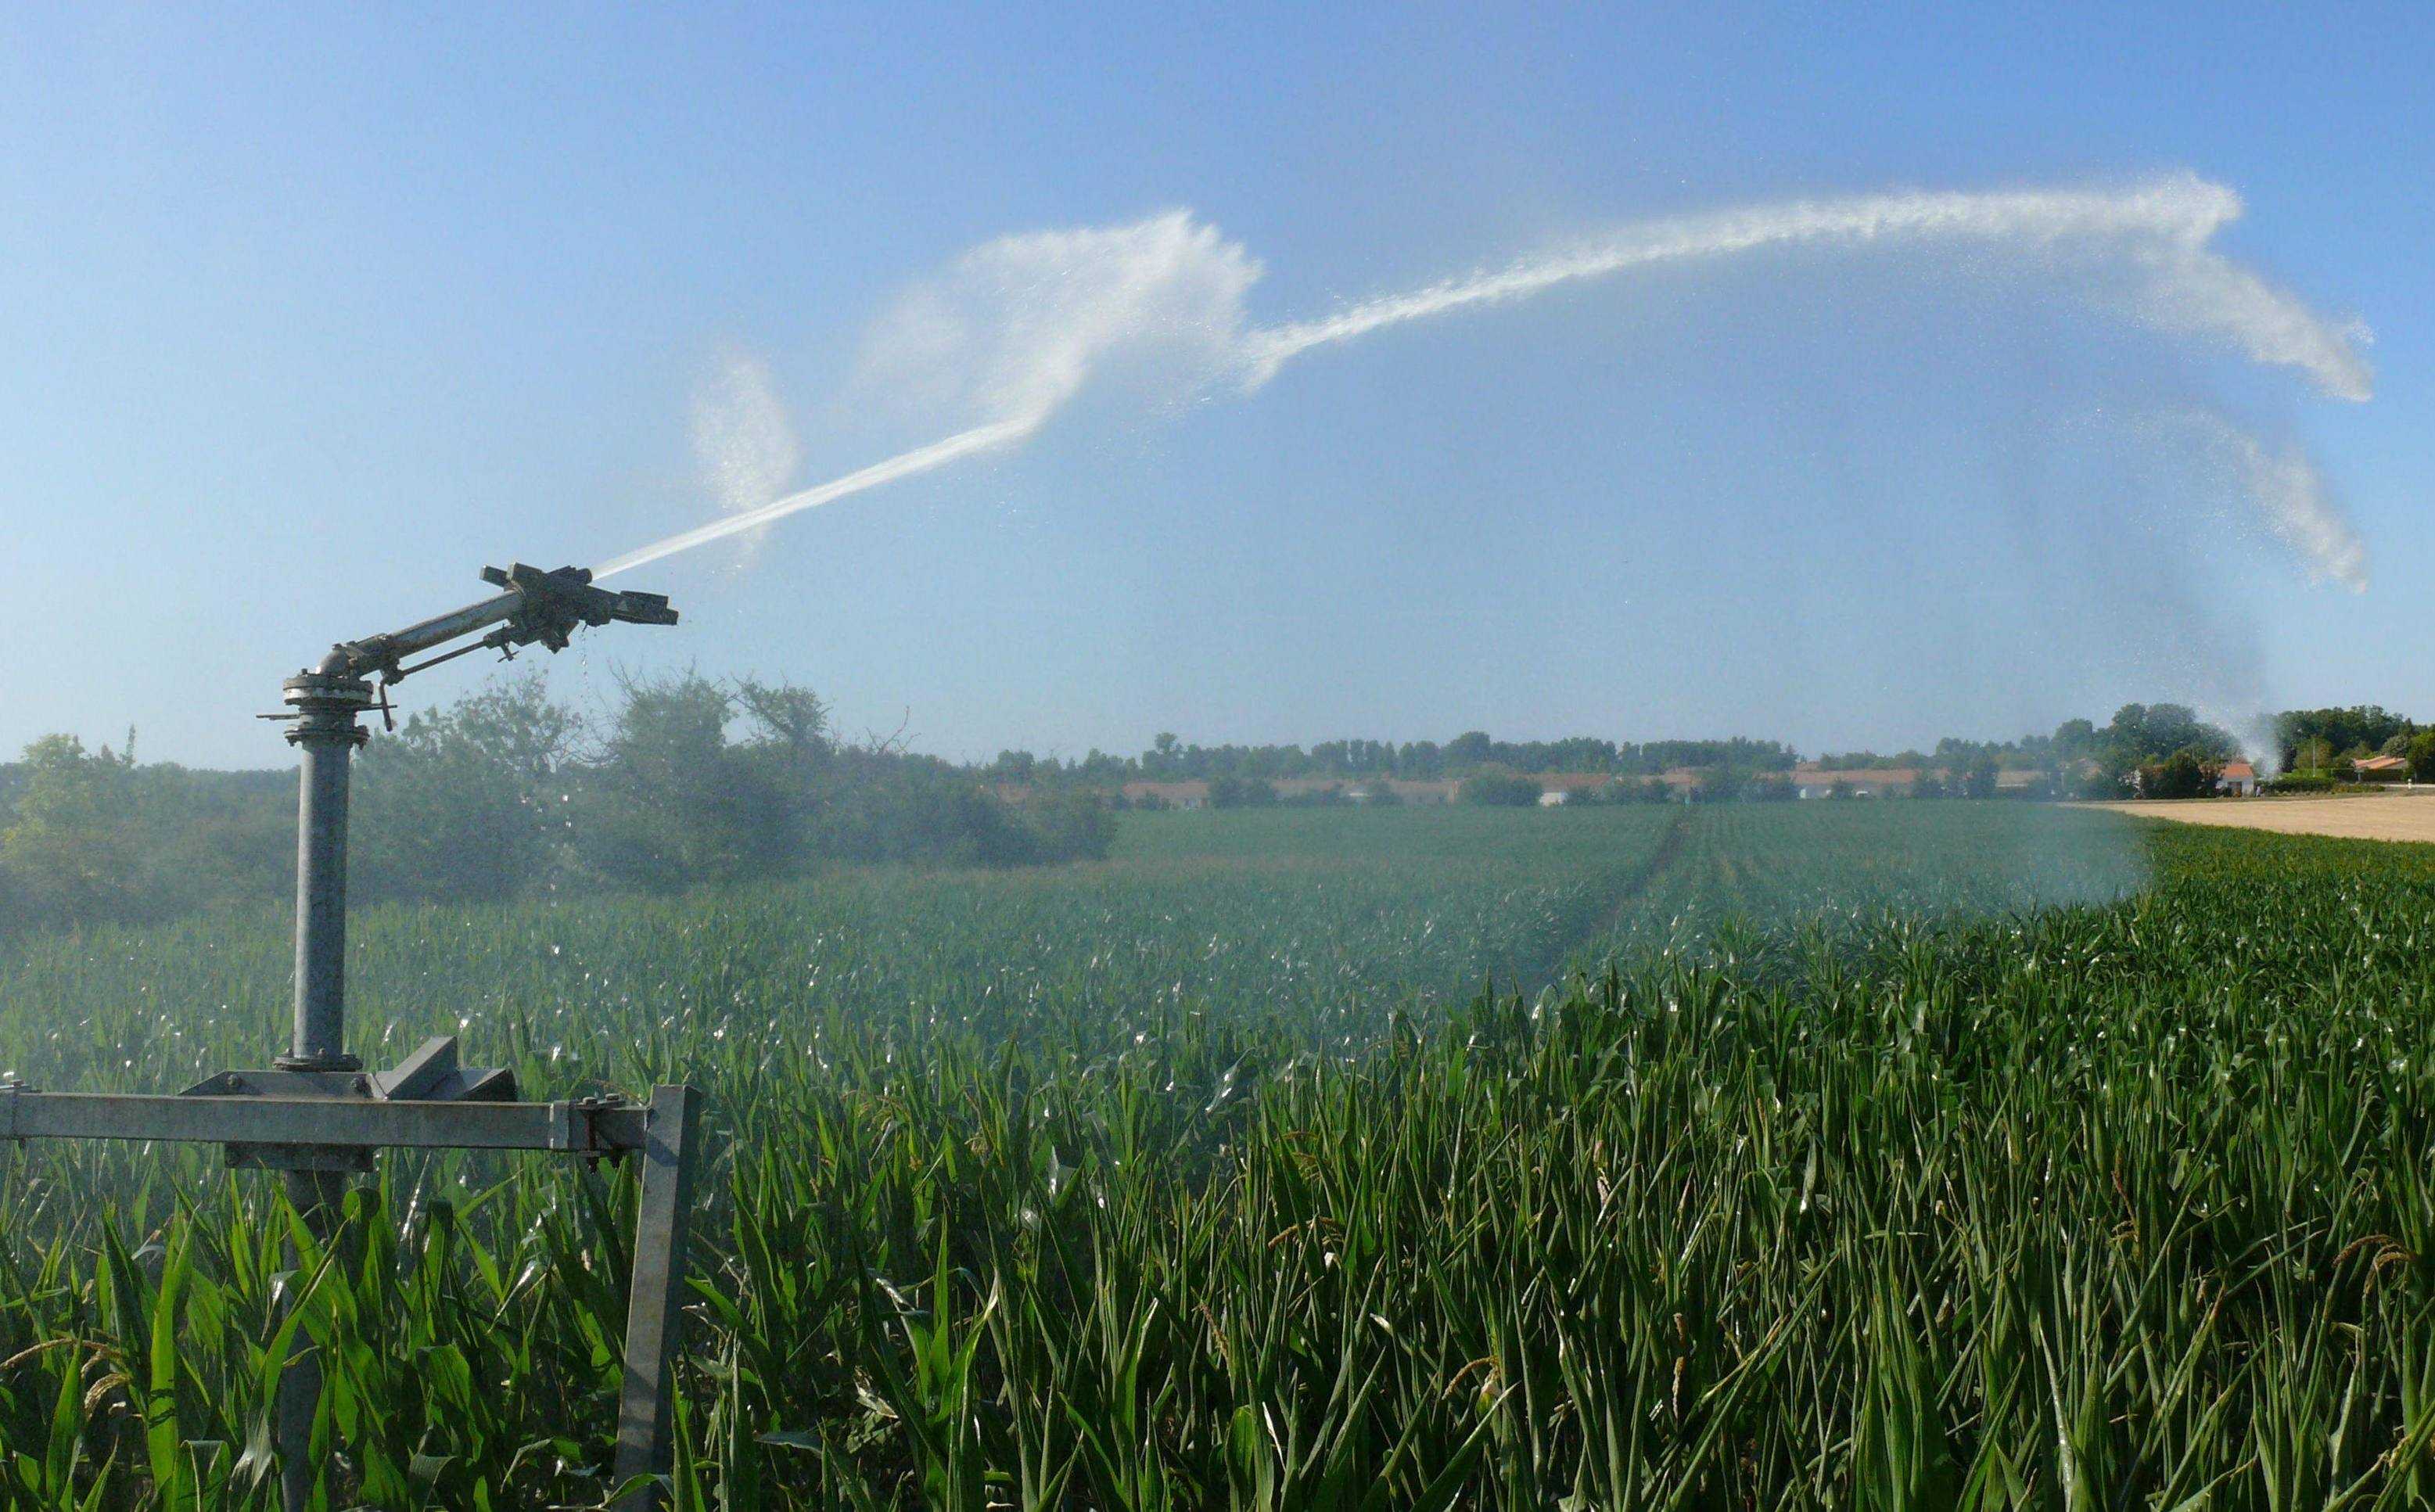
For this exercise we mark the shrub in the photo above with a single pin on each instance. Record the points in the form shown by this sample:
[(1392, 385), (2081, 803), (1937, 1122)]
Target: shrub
[(1500, 790), (2184, 774), (1240, 793)]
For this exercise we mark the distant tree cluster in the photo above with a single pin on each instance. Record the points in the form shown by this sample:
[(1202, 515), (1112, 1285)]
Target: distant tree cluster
[(2158, 749), (2135, 750), (1504, 790), (1169, 760), (689, 781), (88, 834), (2330, 742)]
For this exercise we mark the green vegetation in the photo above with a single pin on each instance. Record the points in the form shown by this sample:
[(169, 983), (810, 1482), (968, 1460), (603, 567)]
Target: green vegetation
[(1499, 790), (1916, 1155), (2315, 743), (690, 780), (504, 794)]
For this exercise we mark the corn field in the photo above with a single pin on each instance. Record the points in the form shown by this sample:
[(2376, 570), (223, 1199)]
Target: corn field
[(1902, 1156)]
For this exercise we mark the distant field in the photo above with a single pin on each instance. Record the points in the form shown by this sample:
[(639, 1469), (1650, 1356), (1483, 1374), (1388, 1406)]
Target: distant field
[(1931, 1153), (2373, 817)]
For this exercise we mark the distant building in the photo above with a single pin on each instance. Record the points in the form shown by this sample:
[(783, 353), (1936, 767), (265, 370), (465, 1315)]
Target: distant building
[(1562, 787), (1810, 780), (2238, 777), (1308, 787), (1167, 795), (2382, 768), (1195, 794)]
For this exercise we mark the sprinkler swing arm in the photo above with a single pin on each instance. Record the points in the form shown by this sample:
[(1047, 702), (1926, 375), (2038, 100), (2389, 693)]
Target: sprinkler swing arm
[(316, 1115), (543, 606)]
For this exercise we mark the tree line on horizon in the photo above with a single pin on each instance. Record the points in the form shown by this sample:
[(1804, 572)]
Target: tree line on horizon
[(690, 780), (687, 781), (2083, 757)]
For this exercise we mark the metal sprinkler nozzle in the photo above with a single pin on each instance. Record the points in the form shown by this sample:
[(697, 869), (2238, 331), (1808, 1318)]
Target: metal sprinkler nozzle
[(328, 701)]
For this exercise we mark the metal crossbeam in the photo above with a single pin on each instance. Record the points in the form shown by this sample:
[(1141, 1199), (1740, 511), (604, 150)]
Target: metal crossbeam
[(319, 1125), (340, 1122)]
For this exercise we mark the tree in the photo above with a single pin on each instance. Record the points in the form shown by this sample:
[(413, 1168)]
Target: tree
[(207, 836), (2422, 756), (72, 853), (1240, 793), (2366, 726), (668, 804), (1423, 760), (1976, 777), (2142, 734), (1470, 748), (2186, 773), (1718, 785), (466, 802), (1499, 790), (1161, 758), (797, 719)]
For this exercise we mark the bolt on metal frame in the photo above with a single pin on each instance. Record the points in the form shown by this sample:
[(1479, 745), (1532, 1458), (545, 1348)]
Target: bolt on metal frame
[(318, 1116)]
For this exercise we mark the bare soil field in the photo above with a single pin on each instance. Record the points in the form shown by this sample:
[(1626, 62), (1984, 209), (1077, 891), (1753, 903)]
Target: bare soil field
[(2382, 817)]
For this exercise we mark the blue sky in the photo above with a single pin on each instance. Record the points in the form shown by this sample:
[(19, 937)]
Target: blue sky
[(307, 317)]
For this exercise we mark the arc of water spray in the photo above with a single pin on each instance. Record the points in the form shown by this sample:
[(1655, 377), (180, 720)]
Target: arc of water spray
[(2162, 228), (2166, 225), (921, 460)]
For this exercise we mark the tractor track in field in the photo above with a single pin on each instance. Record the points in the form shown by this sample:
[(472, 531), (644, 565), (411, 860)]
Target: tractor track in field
[(1641, 878), (1611, 910)]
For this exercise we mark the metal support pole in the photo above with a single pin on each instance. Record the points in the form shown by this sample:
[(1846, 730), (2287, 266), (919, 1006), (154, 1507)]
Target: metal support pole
[(316, 1195), (654, 1307), (327, 704)]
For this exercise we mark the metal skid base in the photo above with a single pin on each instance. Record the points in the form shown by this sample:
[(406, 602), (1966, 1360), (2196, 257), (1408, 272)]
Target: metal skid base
[(323, 1126)]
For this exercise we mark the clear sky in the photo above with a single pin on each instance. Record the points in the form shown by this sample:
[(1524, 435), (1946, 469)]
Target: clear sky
[(306, 315)]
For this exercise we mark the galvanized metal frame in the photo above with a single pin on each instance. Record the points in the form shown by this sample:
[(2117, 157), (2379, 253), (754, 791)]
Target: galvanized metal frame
[(318, 1117), (319, 1137)]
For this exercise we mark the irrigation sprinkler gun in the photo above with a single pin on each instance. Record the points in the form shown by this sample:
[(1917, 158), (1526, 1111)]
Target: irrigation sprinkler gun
[(318, 1116)]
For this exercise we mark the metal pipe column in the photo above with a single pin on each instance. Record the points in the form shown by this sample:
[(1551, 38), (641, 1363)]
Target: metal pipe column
[(327, 705)]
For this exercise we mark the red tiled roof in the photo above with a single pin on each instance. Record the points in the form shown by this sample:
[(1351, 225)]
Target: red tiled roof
[(1856, 776)]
